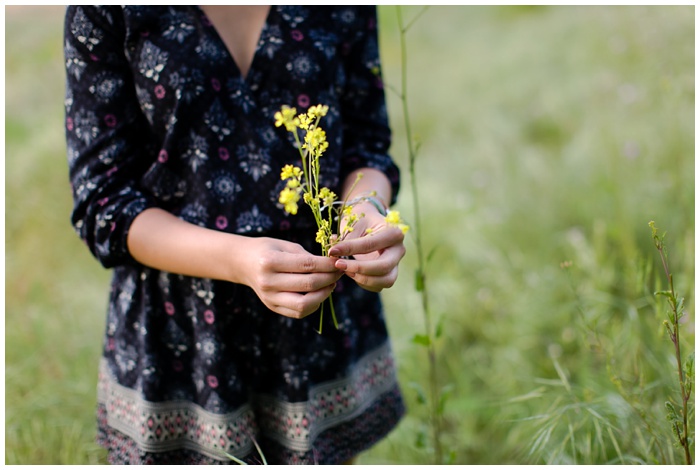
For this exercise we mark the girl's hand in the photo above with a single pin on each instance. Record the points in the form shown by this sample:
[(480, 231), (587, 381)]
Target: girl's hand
[(376, 255), (289, 280)]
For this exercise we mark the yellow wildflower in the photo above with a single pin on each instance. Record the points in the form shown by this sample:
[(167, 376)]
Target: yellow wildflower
[(290, 171), (315, 141), (323, 233), (305, 121), (289, 198), (318, 111), (327, 196), (393, 218), (287, 118)]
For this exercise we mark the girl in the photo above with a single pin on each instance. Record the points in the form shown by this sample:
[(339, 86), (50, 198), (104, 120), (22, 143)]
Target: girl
[(210, 343)]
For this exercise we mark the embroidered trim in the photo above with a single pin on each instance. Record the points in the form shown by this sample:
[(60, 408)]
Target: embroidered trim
[(164, 426), (296, 425)]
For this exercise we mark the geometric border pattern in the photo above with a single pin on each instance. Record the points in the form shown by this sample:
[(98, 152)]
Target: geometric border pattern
[(178, 424)]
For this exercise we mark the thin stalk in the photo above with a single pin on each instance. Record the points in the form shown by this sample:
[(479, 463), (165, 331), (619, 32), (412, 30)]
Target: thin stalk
[(679, 361), (311, 175), (673, 332), (435, 422)]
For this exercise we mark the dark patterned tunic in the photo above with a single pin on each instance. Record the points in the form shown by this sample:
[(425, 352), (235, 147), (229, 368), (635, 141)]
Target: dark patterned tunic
[(158, 115)]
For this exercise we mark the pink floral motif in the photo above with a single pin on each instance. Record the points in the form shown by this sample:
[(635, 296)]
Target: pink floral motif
[(111, 120), (297, 35), (221, 222), (163, 156), (215, 84), (169, 308), (69, 124), (209, 316), (212, 381), (223, 153), (303, 100), (159, 90)]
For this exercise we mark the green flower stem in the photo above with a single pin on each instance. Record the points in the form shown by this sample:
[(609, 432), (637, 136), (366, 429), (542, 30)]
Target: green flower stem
[(673, 331), (311, 177), (435, 419)]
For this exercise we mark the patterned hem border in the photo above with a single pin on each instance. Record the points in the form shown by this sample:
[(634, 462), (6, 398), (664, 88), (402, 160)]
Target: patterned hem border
[(167, 426), (296, 425)]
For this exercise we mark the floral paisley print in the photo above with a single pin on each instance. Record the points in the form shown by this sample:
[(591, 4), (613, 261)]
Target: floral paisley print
[(158, 115)]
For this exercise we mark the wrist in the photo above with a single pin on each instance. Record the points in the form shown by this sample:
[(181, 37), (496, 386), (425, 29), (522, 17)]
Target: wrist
[(237, 252), (367, 203)]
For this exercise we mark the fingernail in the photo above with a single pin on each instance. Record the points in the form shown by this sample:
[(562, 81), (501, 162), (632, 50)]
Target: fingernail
[(333, 252), (340, 264)]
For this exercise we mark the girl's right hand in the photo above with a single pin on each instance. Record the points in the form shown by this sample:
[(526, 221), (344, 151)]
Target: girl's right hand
[(289, 280)]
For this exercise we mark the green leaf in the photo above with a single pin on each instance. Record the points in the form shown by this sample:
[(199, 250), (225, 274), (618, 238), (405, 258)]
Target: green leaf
[(432, 253), (420, 280), (444, 395), (438, 327), (420, 394), (450, 458), (689, 368), (680, 305), (421, 439), (422, 340), (665, 293)]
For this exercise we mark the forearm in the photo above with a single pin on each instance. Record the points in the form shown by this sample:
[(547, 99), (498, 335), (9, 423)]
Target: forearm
[(372, 181), (162, 241)]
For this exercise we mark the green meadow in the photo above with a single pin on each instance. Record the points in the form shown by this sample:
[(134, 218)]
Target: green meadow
[(550, 138)]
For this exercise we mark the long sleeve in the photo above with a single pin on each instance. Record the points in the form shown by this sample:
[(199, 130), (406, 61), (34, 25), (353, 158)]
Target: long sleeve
[(366, 131), (108, 140)]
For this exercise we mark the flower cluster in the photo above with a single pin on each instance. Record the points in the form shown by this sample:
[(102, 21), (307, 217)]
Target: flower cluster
[(303, 183), (393, 219)]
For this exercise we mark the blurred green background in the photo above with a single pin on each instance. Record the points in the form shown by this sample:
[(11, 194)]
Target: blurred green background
[(549, 135)]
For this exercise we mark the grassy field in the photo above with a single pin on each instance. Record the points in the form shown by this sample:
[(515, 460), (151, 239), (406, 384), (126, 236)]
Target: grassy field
[(550, 135)]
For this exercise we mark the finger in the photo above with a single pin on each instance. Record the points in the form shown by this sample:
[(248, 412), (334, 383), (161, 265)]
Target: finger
[(296, 305), (296, 263), (376, 283), (379, 266), (301, 282), (367, 244)]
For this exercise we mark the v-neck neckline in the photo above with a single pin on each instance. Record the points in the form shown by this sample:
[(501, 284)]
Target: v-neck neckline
[(229, 54)]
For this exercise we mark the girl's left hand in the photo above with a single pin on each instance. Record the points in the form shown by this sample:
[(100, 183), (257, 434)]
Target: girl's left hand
[(376, 256)]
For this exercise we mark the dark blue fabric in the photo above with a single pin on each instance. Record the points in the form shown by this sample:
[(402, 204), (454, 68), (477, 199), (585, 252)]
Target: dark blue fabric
[(158, 115)]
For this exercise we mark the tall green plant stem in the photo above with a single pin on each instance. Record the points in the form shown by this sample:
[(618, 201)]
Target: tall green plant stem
[(421, 281), (673, 331)]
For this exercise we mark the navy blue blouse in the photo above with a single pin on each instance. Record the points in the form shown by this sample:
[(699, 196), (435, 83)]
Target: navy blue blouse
[(158, 115)]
